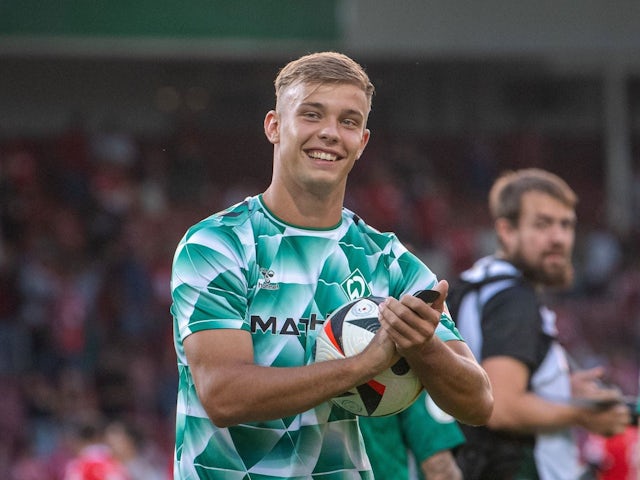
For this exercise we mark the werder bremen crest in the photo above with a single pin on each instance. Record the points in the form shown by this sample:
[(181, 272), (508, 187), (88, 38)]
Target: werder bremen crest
[(355, 286)]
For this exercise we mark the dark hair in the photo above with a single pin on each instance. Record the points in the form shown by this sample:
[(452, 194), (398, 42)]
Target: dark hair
[(324, 67), (505, 197), (87, 427)]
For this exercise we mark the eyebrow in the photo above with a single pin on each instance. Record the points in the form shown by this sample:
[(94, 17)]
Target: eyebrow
[(321, 106), (550, 218)]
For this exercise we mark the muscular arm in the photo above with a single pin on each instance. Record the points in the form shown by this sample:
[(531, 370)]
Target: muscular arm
[(233, 389), (517, 409), (448, 370)]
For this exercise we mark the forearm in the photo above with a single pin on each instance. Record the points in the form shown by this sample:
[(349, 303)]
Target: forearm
[(530, 413), (454, 380), (441, 466), (233, 389), (246, 393)]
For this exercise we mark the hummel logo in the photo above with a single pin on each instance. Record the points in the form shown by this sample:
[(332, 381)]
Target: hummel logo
[(267, 275)]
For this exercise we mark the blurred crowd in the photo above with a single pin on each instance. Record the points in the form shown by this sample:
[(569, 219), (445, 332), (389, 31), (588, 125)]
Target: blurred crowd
[(89, 222)]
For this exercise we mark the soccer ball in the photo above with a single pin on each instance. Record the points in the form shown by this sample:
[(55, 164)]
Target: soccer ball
[(346, 332)]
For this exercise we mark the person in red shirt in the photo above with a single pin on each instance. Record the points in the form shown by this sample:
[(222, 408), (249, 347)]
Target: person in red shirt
[(613, 458), (93, 459)]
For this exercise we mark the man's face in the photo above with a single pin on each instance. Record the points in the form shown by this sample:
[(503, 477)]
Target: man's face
[(318, 132), (541, 244)]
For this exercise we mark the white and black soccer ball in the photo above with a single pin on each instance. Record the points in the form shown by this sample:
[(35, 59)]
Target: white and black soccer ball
[(347, 332)]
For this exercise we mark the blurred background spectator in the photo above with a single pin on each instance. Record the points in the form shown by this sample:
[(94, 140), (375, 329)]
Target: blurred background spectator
[(128, 445)]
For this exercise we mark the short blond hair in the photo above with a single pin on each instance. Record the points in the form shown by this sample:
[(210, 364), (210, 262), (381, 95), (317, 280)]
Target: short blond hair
[(324, 67)]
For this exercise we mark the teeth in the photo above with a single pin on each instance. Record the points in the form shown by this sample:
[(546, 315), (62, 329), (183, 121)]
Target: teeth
[(323, 156)]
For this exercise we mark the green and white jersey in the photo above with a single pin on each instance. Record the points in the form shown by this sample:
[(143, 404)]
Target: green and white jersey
[(245, 269)]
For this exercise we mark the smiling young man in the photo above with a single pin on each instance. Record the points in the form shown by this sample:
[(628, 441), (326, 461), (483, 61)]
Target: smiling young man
[(252, 285), (538, 400)]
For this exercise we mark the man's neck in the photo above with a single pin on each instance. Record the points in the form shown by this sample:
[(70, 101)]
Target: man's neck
[(304, 209)]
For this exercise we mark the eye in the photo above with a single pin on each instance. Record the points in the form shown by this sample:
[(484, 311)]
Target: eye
[(350, 123), (312, 115), (542, 223)]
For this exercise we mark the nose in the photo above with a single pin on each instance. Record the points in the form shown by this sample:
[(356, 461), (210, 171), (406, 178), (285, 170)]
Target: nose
[(329, 131)]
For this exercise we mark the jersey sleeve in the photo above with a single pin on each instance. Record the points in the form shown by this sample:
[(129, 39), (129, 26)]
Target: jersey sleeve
[(511, 325), (208, 283), (446, 329), (408, 275)]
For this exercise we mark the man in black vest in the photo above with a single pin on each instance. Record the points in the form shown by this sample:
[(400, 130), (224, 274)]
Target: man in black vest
[(498, 310)]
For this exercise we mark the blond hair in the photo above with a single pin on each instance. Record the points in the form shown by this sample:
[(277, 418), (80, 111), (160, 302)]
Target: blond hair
[(321, 68)]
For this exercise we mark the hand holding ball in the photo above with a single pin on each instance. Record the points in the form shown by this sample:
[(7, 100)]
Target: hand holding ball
[(347, 332)]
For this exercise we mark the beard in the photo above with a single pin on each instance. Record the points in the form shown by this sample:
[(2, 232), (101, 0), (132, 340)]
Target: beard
[(548, 275)]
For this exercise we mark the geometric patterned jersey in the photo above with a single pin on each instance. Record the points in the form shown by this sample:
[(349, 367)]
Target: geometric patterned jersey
[(243, 268)]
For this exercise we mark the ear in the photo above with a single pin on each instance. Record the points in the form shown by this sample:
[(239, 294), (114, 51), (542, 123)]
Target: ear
[(272, 126), (363, 142), (505, 231)]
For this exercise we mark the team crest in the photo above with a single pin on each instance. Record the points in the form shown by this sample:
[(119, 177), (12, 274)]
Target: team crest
[(355, 286)]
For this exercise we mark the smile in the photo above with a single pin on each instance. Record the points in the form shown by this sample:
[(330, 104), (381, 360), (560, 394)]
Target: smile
[(330, 157)]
